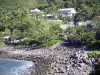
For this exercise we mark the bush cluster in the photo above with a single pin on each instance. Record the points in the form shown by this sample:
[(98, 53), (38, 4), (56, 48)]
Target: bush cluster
[(88, 35), (96, 55), (94, 45), (50, 43), (81, 33), (30, 42), (93, 54)]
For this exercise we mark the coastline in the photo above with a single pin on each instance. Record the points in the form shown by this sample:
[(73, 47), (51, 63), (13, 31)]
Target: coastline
[(42, 63), (55, 60)]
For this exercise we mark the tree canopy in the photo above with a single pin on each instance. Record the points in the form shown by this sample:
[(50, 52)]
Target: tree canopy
[(15, 15), (14, 4)]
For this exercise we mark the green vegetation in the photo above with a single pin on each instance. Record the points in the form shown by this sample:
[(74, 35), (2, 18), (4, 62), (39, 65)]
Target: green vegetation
[(94, 45), (96, 69), (51, 43), (89, 35), (15, 19), (16, 22), (1, 39), (87, 8), (13, 4), (25, 42), (81, 33), (30, 42), (94, 54)]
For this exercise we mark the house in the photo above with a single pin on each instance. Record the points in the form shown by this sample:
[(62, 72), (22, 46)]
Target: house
[(67, 12), (51, 17), (7, 39), (35, 11)]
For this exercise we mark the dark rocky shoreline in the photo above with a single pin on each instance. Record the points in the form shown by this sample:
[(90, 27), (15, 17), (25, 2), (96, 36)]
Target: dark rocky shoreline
[(55, 60)]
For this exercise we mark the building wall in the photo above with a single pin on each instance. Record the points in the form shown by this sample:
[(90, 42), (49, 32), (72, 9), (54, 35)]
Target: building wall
[(68, 12)]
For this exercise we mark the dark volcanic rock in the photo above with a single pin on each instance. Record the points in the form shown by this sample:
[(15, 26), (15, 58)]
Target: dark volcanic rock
[(55, 60)]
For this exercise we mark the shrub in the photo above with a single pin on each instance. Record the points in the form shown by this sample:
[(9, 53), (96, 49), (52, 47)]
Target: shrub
[(30, 42), (94, 45), (34, 42), (1, 39), (96, 70), (81, 33), (25, 42), (50, 43), (96, 27), (16, 34), (96, 22), (43, 31), (93, 54)]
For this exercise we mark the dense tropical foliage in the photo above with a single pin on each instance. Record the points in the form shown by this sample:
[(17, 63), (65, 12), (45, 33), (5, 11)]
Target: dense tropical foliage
[(16, 21)]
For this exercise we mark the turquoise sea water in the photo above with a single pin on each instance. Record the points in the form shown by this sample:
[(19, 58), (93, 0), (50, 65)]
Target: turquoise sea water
[(14, 67)]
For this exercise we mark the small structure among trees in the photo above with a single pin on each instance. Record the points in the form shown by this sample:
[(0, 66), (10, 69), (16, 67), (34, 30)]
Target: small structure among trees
[(51, 16), (7, 39), (68, 12), (35, 10)]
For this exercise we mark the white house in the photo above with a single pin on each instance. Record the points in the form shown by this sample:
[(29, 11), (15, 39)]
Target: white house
[(67, 12), (51, 16), (6, 39), (35, 10)]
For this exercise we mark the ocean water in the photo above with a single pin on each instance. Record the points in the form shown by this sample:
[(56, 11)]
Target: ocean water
[(15, 67)]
